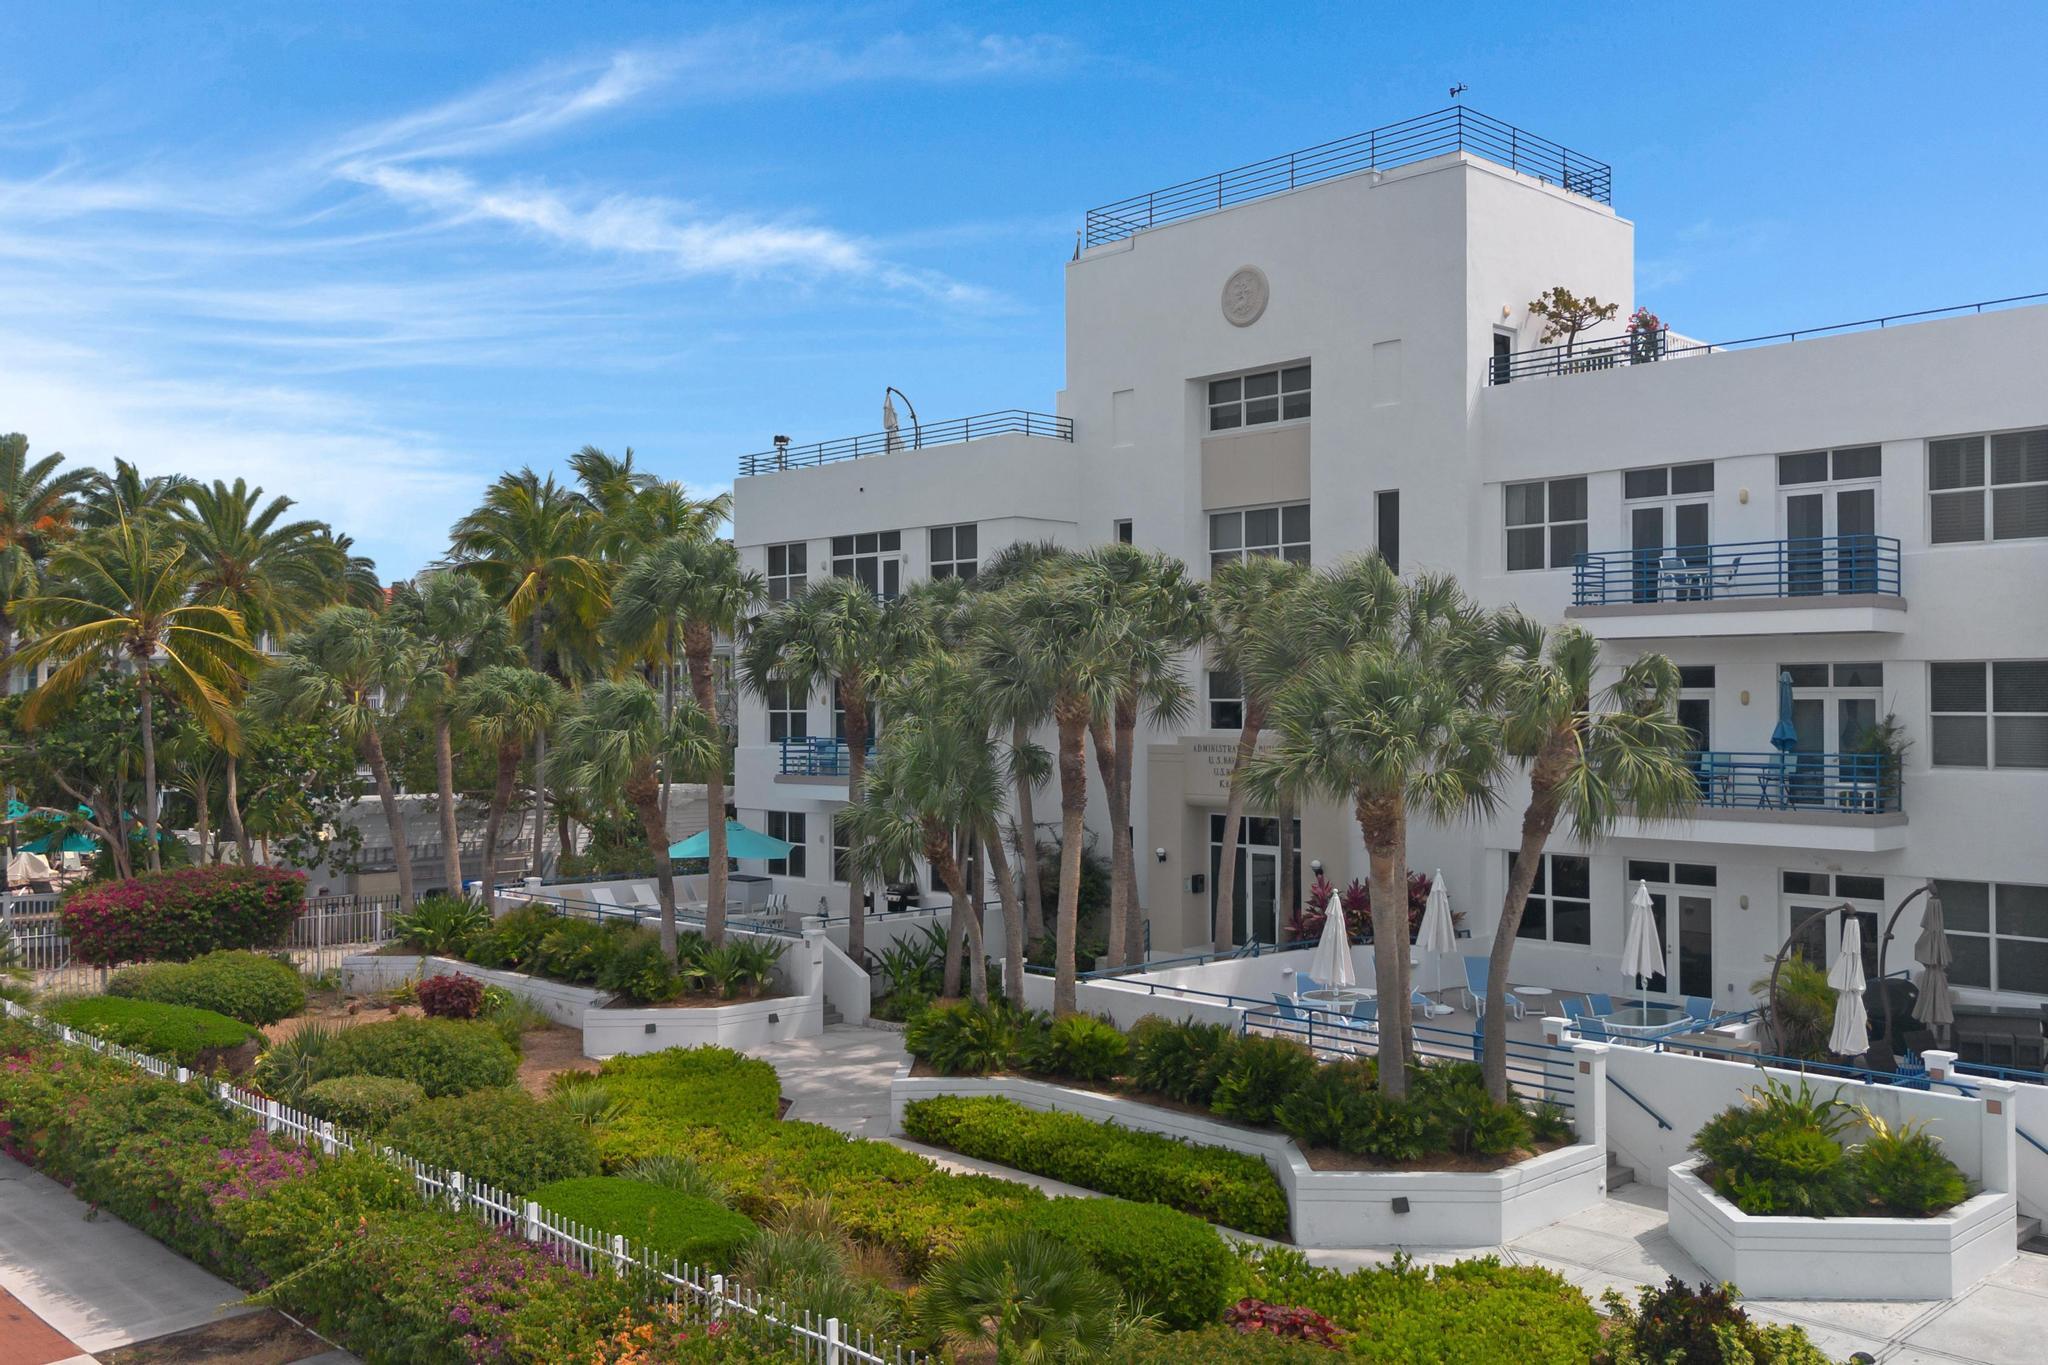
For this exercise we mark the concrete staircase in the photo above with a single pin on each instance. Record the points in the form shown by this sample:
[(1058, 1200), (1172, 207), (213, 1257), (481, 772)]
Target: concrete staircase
[(1618, 1174), (832, 1015), (2030, 1237)]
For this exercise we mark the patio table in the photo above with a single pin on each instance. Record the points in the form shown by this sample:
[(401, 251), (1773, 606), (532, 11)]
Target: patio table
[(1643, 1021)]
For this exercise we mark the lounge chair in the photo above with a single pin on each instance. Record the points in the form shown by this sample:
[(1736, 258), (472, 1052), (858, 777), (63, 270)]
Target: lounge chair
[(604, 898), (1365, 1012), (1599, 1004), (1475, 989), (1304, 983), (1285, 1004), (642, 895), (1592, 1030), (1700, 1007), (1572, 1006)]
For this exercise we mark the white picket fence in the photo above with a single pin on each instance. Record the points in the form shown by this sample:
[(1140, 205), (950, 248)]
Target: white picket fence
[(702, 1295)]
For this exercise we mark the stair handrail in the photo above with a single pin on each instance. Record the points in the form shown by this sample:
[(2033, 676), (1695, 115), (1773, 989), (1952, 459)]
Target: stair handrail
[(1662, 1122)]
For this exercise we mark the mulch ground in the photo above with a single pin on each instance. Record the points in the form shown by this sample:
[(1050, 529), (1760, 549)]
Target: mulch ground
[(263, 1338), (543, 1052)]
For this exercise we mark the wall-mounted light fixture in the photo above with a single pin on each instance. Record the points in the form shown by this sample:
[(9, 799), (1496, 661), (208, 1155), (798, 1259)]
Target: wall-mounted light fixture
[(1315, 865), (1160, 854)]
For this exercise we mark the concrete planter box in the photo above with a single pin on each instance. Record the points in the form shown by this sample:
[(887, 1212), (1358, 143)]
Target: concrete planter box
[(1336, 1208), (1841, 1258), (563, 1003)]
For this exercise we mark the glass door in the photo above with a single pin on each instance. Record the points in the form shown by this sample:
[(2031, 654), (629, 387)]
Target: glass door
[(1831, 541), (1255, 890), (1688, 952), (1671, 551)]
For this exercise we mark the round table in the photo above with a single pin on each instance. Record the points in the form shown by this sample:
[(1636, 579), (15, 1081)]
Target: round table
[(1337, 995), (1532, 992), (1641, 1021)]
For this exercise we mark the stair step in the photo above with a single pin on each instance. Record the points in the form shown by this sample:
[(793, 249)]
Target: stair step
[(2030, 1238), (833, 1016), (1618, 1174)]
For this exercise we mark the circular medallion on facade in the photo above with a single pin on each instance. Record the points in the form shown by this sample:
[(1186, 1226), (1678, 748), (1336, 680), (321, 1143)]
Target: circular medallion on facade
[(1244, 296)]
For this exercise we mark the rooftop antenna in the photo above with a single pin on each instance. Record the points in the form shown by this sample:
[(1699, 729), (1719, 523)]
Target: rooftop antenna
[(1459, 89)]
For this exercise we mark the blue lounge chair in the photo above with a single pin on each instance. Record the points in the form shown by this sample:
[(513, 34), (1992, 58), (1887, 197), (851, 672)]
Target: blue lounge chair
[(1700, 1007), (1285, 1004), (1592, 1030), (1572, 1006), (1365, 1012), (1475, 989), (1599, 1004), (1303, 983)]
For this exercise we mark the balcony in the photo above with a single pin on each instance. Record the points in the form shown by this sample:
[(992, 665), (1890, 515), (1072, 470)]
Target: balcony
[(1809, 585), (1819, 801), (816, 759), (915, 436)]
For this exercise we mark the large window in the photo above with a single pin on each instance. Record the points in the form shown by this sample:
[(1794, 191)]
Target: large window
[(1989, 715), (1546, 523), (1226, 700), (1560, 908), (786, 568), (1997, 935), (2008, 492), (788, 825), (954, 552), (1257, 399), (1279, 531), (873, 558), (788, 712)]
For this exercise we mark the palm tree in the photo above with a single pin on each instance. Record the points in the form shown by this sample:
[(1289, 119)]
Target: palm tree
[(615, 738), (1592, 754), (693, 589), (125, 495), (1254, 637), (837, 635), (503, 707), (459, 630), (38, 505), (359, 585), (1028, 1295), (532, 543), (349, 668), (125, 594)]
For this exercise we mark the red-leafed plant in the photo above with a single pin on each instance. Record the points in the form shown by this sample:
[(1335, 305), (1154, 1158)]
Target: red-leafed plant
[(182, 914), (1307, 922), (1296, 1324), (451, 997)]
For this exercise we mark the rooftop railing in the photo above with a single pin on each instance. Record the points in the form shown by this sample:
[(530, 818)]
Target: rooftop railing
[(1848, 784), (1456, 129), (1645, 347), (1810, 566), (916, 436), (817, 757)]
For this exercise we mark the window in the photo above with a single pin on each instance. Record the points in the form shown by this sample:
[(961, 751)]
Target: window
[(1814, 466), (842, 847), (1989, 715), (1387, 526), (1251, 400), (874, 558), (1997, 935), (789, 825), (1669, 481), (953, 551), (1281, 531), (1123, 531), (788, 713), (1560, 908), (786, 566), (1671, 874), (1546, 523), (2013, 500), (1226, 700)]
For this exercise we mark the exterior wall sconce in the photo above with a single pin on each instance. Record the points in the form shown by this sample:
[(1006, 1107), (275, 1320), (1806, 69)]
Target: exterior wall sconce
[(1315, 865), (1160, 854)]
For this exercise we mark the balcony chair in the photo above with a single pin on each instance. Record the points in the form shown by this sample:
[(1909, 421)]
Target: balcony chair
[(1721, 579), (1700, 1007), (1572, 1006), (1304, 983), (1599, 1004), (1680, 580), (1475, 989), (1364, 1012), (1592, 1030), (1285, 1004)]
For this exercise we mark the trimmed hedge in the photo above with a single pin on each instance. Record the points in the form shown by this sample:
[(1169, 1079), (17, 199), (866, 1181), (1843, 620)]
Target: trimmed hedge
[(178, 1033), (1174, 1262), (181, 914), (1222, 1186), (242, 985), (442, 1056), (364, 1103), (695, 1231), (501, 1137)]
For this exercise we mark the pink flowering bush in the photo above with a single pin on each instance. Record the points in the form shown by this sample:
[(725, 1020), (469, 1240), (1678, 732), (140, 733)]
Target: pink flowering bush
[(182, 914), (1298, 1324), (254, 1166)]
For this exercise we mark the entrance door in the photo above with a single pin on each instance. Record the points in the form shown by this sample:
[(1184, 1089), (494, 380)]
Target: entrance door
[(1834, 706), (1688, 952), (1255, 890), (1669, 541), (1831, 541)]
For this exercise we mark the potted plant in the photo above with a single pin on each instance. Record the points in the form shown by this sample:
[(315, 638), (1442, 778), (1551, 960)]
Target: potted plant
[(1646, 337)]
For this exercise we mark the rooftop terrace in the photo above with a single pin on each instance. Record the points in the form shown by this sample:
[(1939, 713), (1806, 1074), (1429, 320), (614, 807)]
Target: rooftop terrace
[(1456, 129), (913, 436)]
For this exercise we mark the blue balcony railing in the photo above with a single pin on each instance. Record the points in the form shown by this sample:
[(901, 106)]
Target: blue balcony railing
[(1811, 566), (1851, 784), (816, 757)]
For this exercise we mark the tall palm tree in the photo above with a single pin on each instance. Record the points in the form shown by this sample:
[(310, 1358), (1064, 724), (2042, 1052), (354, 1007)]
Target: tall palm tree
[(503, 707), (459, 629), (125, 594), (1256, 637), (615, 738), (349, 668), (125, 495), (533, 544), (1593, 754), (835, 636), (38, 509)]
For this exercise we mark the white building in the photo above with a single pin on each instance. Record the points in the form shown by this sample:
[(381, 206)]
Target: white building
[(1333, 353)]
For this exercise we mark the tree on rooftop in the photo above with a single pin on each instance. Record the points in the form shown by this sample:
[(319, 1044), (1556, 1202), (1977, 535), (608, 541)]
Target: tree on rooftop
[(1565, 314)]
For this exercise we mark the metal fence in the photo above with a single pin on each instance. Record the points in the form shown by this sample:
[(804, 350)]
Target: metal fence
[(1802, 566), (1538, 1071), (916, 436), (702, 1295)]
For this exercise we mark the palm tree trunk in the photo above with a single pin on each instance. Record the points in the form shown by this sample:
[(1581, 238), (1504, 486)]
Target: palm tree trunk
[(853, 704), (961, 926), (444, 776), (641, 792), (1013, 918), (1119, 905), (156, 859), (697, 645), (234, 810), (501, 801), (394, 816), (1233, 823), (1537, 822), (1124, 846), (1033, 909), (1072, 718), (540, 776), (1290, 891), (1382, 820)]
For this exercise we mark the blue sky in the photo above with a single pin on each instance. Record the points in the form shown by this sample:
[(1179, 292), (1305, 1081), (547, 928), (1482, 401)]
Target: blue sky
[(370, 255)]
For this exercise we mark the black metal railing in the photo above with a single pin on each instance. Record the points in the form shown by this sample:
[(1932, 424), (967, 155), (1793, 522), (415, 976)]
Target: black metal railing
[(1456, 129), (1608, 353), (1803, 566), (1848, 784), (915, 436)]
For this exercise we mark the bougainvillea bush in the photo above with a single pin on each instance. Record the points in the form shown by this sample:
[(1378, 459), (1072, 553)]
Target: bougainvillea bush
[(179, 915)]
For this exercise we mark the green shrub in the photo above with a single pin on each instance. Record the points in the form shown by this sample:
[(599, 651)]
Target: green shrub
[(963, 1039), (178, 1033), (1182, 1061), (1777, 1153), (1675, 1323), (695, 1231), (1395, 1132), (638, 970), (1258, 1076), (1219, 1185), (1902, 1171), (501, 1137), (451, 996), (513, 940), (739, 966), (242, 985), (1454, 1094), (578, 950), (292, 1063), (1171, 1262), (1081, 1047), (1226, 1346), (444, 1056), (295, 1222), (1329, 1109), (443, 926), (181, 914), (366, 1103)]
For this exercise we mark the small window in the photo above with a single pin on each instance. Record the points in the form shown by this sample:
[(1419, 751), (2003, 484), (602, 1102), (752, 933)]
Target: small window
[(1999, 482), (1696, 677), (1259, 399), (1560, 908), (1278, 531), (1123, 531), (954, 551), (1808, 467), (1387, 516), (1989, 715), (787, 825), (1694, 874), (786, 569), (1226, 700), (1546, 524)]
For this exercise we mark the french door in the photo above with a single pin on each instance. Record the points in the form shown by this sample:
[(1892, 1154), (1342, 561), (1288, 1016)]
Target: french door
[(1255, 890), (1685, 926), (1665, 536), (1831, 541)]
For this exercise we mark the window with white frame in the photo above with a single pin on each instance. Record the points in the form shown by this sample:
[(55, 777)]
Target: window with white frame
[(1998, 481), (1226, 700), (1546, 523), (1997, 935), (954, 552), (787, 566), (1259, 398), (1123, 530), (1560, 907), (1989, 715), (787, 825), (788, 712), (1281, 532), (874, 559)]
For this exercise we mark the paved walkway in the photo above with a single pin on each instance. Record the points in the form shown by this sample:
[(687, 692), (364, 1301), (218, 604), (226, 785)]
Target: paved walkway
[(842, 1080)]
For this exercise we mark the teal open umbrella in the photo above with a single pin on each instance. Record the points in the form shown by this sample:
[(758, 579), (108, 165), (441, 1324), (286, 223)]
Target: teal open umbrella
[(72, 843), (740, 842)]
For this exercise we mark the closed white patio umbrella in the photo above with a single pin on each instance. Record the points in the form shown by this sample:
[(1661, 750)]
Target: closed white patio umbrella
[(1330, 964), (1642, 952), (1437, 934), (1851, 1036), (1937, 1007)]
